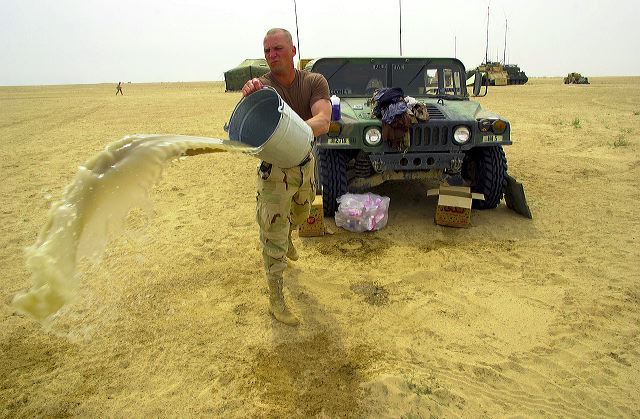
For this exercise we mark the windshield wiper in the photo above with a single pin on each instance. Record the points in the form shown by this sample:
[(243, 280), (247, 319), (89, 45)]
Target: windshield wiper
[(338, 69), (419, 72)]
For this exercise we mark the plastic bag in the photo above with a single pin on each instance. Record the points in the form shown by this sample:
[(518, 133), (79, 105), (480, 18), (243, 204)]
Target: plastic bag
[(362, 212)]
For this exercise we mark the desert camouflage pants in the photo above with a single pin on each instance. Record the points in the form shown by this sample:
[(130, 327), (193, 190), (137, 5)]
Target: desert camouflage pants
[(284, 200)]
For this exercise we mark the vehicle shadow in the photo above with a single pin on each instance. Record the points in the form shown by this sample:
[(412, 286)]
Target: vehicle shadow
[(411, 220)]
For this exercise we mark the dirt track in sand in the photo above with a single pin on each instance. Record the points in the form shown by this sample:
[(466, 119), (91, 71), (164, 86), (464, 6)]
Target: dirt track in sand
[(508, 317)]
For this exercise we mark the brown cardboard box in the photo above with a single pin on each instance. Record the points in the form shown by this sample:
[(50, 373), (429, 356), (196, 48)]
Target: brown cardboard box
[(314, 226), (454, 205)]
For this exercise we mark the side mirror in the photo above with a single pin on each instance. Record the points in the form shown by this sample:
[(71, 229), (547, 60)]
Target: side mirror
[(477, 84)]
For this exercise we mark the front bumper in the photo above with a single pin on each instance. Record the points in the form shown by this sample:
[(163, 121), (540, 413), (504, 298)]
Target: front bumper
[(417, 161)]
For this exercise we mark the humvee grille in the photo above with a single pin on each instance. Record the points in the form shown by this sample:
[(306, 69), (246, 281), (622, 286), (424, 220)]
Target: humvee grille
[(422, 135)]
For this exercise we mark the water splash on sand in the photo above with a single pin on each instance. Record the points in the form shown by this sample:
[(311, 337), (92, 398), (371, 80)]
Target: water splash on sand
[(95, 206)]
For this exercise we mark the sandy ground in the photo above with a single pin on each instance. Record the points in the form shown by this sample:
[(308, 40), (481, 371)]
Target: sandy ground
[(511, 317)]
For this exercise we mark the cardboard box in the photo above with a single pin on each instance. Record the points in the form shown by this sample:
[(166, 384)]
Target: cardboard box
[(314, 226), (454, 205)]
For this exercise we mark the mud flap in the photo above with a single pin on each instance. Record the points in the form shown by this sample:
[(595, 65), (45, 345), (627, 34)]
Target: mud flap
[(515, 198)]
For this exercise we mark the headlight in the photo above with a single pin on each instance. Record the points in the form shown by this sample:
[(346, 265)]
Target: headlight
[(372, 136), (498, 126), (484, 125), (461, 135)]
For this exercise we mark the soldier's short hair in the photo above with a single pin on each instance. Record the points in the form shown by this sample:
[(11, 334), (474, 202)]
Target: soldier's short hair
[(286, 33)]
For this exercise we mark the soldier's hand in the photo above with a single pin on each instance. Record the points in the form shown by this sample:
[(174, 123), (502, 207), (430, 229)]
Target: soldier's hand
[(251, 86)]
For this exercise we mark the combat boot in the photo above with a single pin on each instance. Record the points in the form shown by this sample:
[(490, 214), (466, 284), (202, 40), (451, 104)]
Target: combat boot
[(277, 307), (292, 253)]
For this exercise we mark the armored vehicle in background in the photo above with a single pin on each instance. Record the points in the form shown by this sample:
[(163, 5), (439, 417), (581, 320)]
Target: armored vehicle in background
[(458, 142), (496, 74), (575, 78), (515, 75), (500, 75)]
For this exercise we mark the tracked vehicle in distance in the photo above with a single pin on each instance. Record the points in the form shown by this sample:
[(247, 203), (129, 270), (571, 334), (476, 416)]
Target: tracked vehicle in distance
[(515, 75), (498, 74), (575, 78), (494, 73)]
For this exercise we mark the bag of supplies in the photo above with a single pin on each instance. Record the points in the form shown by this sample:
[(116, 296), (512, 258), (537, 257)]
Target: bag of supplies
[(362, 212)]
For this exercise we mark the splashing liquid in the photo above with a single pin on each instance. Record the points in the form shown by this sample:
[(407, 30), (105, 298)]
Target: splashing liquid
[(95, 206)]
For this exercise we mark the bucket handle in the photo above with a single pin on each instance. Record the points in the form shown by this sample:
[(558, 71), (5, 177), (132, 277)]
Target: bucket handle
[(280, 100)]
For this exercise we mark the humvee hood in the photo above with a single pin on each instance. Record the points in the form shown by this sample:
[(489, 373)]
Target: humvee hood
[(358, 109), (355, 107)]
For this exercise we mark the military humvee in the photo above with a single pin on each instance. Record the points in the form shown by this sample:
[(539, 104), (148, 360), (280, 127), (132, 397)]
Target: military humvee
[(460, 141)]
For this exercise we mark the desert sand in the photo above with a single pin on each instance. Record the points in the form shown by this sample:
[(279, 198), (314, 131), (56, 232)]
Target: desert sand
[(508, 318)]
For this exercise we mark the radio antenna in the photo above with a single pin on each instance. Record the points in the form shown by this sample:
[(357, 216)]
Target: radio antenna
[(504, 52), (486, 51), (295, 11), (400, 7)]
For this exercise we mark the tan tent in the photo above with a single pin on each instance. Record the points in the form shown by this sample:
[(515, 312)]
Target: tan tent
[(236, 77)]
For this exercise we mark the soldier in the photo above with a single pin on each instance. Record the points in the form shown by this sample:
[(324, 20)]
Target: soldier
[(285, 195), (119, 89)]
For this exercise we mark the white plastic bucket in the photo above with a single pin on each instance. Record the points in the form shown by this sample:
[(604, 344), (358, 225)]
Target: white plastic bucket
[(265, 121)]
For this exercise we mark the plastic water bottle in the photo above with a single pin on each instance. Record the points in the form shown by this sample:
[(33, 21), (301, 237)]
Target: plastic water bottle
[(335, 108)]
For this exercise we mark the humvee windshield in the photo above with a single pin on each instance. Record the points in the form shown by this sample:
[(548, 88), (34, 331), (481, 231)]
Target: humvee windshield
[(416, 77)]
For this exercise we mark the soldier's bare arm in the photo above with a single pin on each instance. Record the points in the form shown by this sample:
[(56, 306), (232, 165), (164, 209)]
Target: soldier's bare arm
[(319, 122)]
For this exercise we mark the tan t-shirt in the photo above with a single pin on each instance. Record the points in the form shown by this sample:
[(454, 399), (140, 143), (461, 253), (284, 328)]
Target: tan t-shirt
[(306, 89)]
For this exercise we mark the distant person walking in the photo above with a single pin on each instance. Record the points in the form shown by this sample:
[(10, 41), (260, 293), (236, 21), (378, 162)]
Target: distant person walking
[(119, 89)]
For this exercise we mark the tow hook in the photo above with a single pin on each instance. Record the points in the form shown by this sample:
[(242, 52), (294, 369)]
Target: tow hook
[(456, 165), (378, 165)]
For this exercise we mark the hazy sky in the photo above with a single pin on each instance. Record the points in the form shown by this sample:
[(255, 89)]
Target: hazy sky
[(93, 41)]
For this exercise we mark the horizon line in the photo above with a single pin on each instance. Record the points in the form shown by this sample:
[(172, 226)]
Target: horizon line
[(222, 81)]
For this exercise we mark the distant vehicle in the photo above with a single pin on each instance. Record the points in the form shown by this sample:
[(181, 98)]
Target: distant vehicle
[(302, 63), (515, 75), (575, 78), (459, 140), (498, 74)]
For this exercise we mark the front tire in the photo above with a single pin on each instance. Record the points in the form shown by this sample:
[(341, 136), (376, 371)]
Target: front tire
[(332, 167), (486, 168)]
